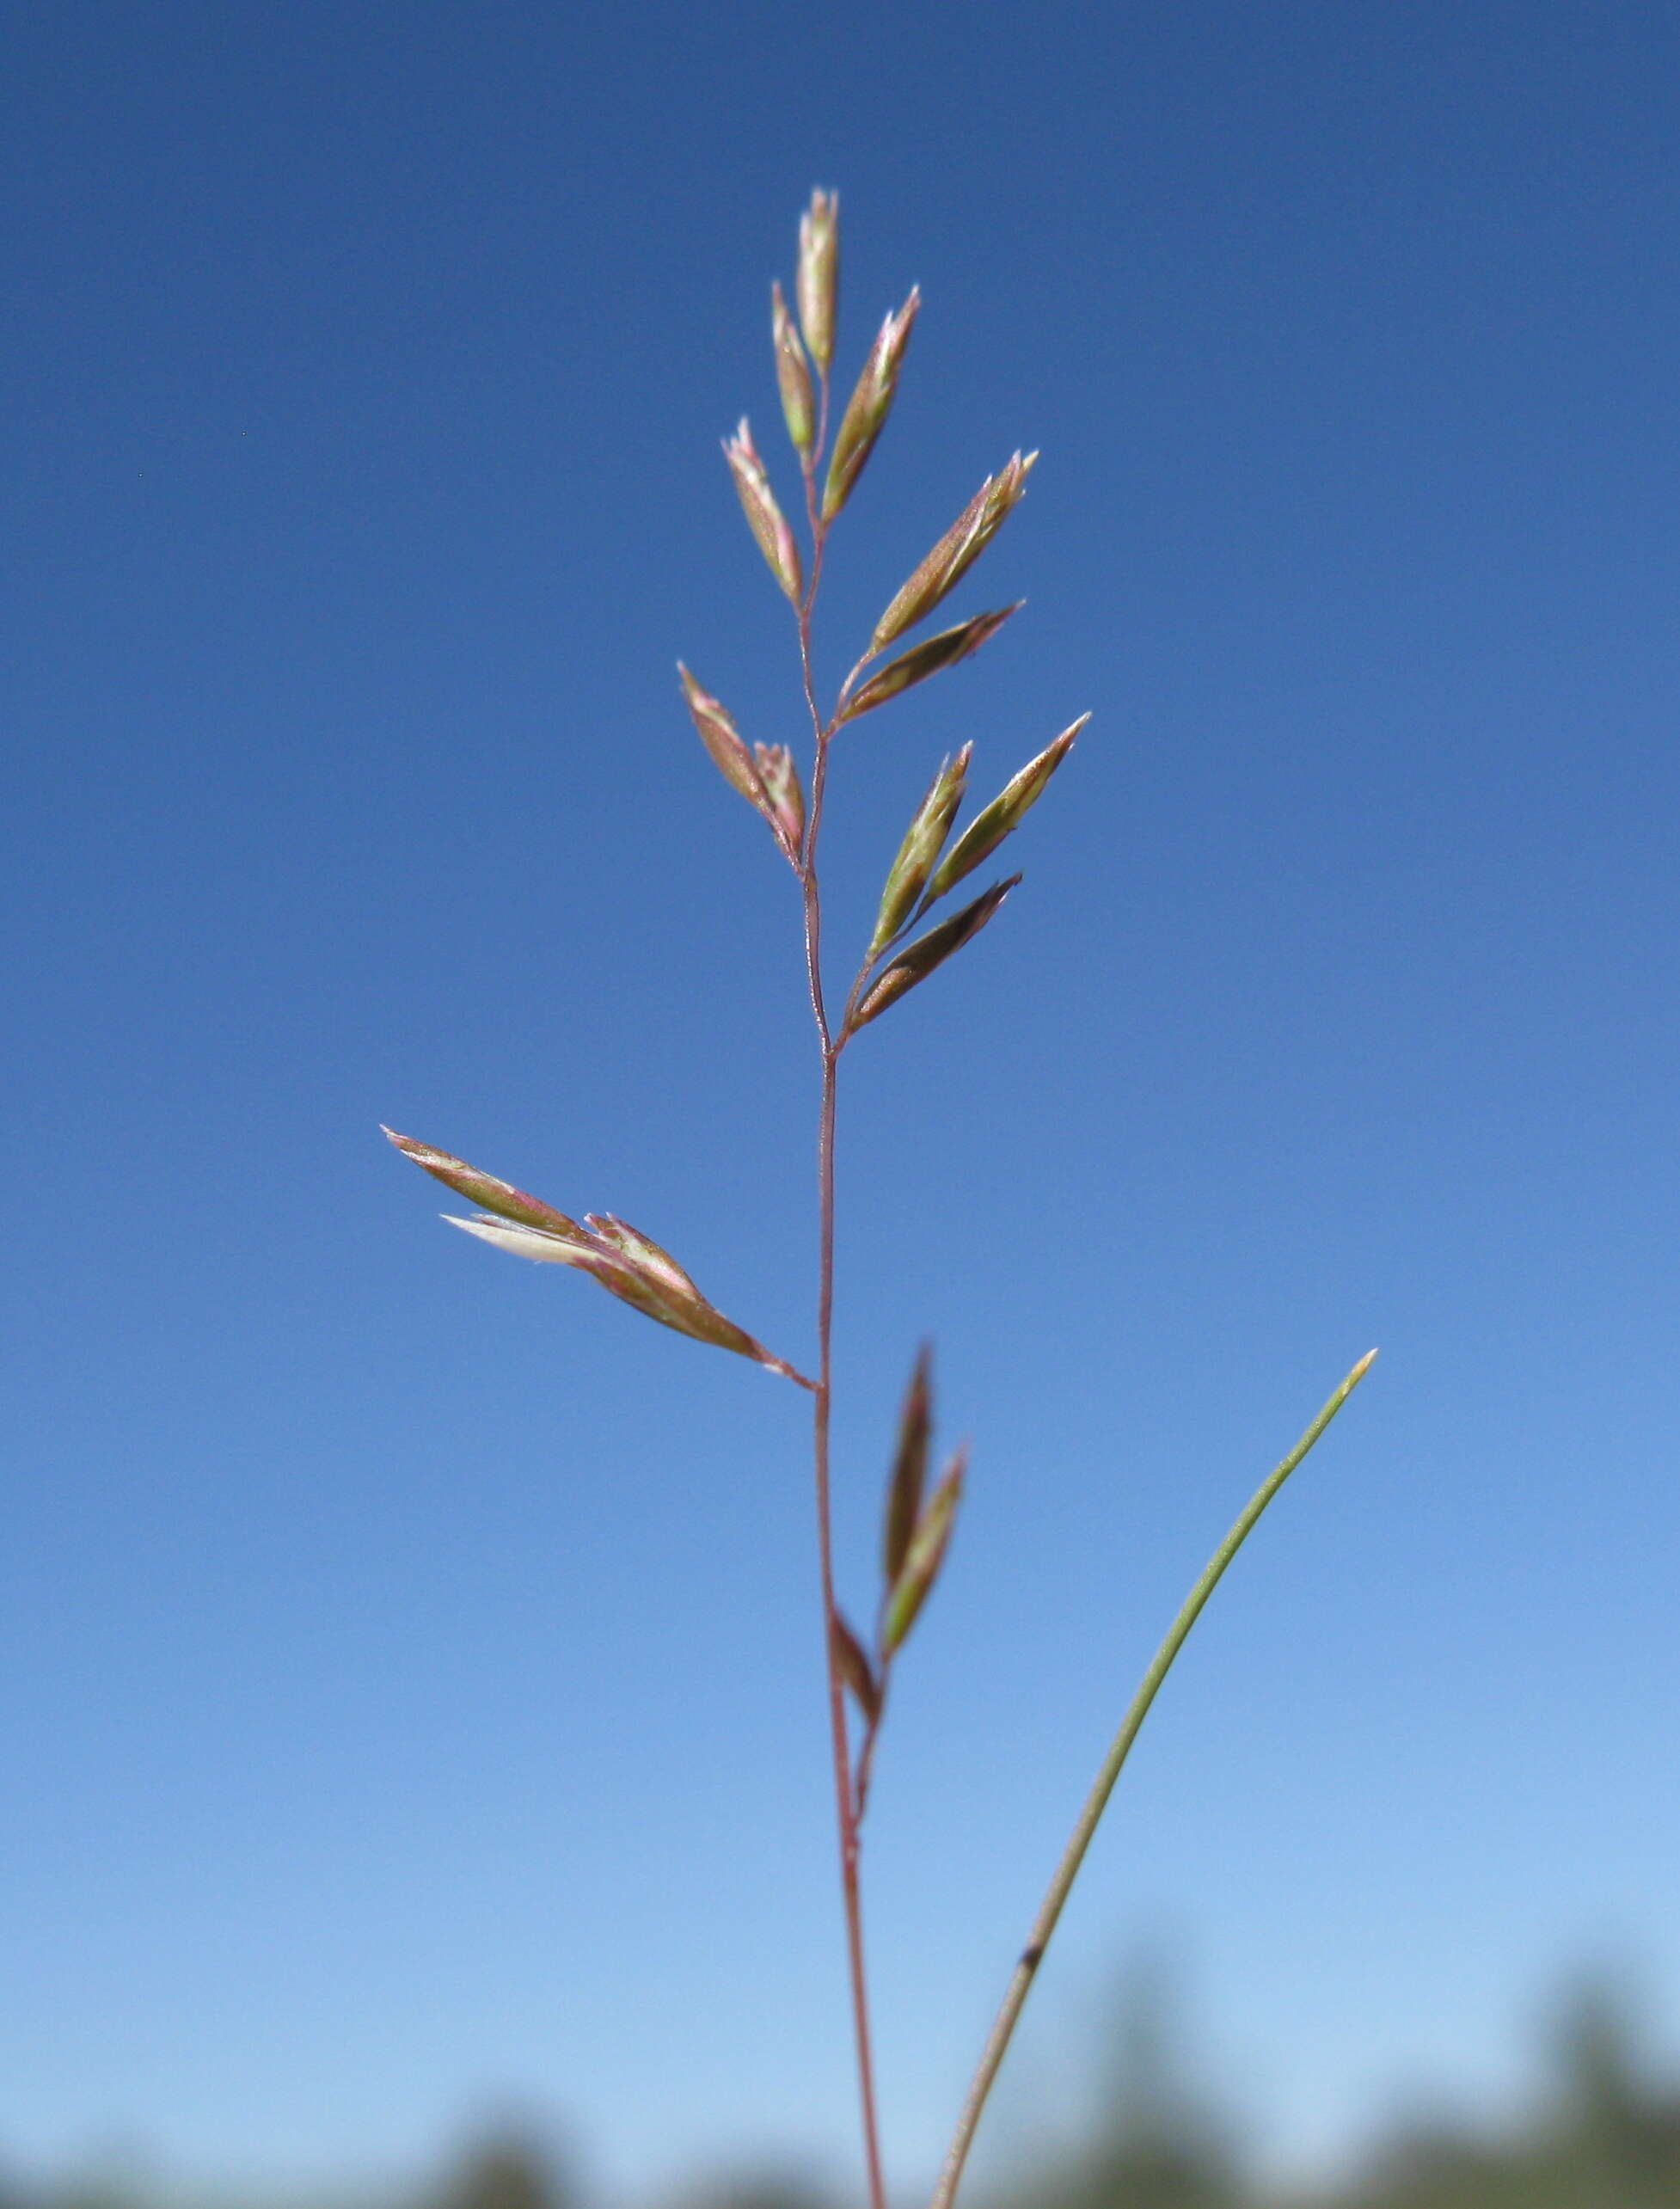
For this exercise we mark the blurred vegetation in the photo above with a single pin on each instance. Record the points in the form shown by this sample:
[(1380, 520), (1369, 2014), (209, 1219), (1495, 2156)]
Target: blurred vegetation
[(1603, 2132)]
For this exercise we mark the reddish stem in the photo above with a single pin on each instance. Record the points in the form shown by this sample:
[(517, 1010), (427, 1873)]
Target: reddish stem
[(846, 1807)]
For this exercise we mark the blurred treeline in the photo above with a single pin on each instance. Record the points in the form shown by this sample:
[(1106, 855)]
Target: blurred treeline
[(1601, 2131)]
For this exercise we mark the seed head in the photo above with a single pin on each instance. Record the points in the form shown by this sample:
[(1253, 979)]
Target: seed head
[(763, 515), (957, 550), (868, 409), (924, 840), (1003, 815), (793, 375), (819, 285)]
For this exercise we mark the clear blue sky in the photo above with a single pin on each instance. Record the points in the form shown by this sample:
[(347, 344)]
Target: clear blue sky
[(411, 1686)]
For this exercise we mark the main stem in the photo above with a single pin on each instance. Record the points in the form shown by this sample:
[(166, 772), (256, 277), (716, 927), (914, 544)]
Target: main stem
[(844, 1799), (845, 1804)]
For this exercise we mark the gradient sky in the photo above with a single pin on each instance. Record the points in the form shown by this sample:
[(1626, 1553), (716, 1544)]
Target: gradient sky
[(411, 1682)]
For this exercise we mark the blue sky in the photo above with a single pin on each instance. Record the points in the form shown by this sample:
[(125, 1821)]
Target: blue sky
[(412, 1676)]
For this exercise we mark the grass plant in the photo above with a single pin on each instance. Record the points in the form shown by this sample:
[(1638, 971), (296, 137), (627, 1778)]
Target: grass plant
[(920, 1513)]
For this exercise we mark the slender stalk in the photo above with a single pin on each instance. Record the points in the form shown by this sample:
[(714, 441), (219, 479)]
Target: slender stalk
[(1073, 1855), (845, 1804), (845, 1801)]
